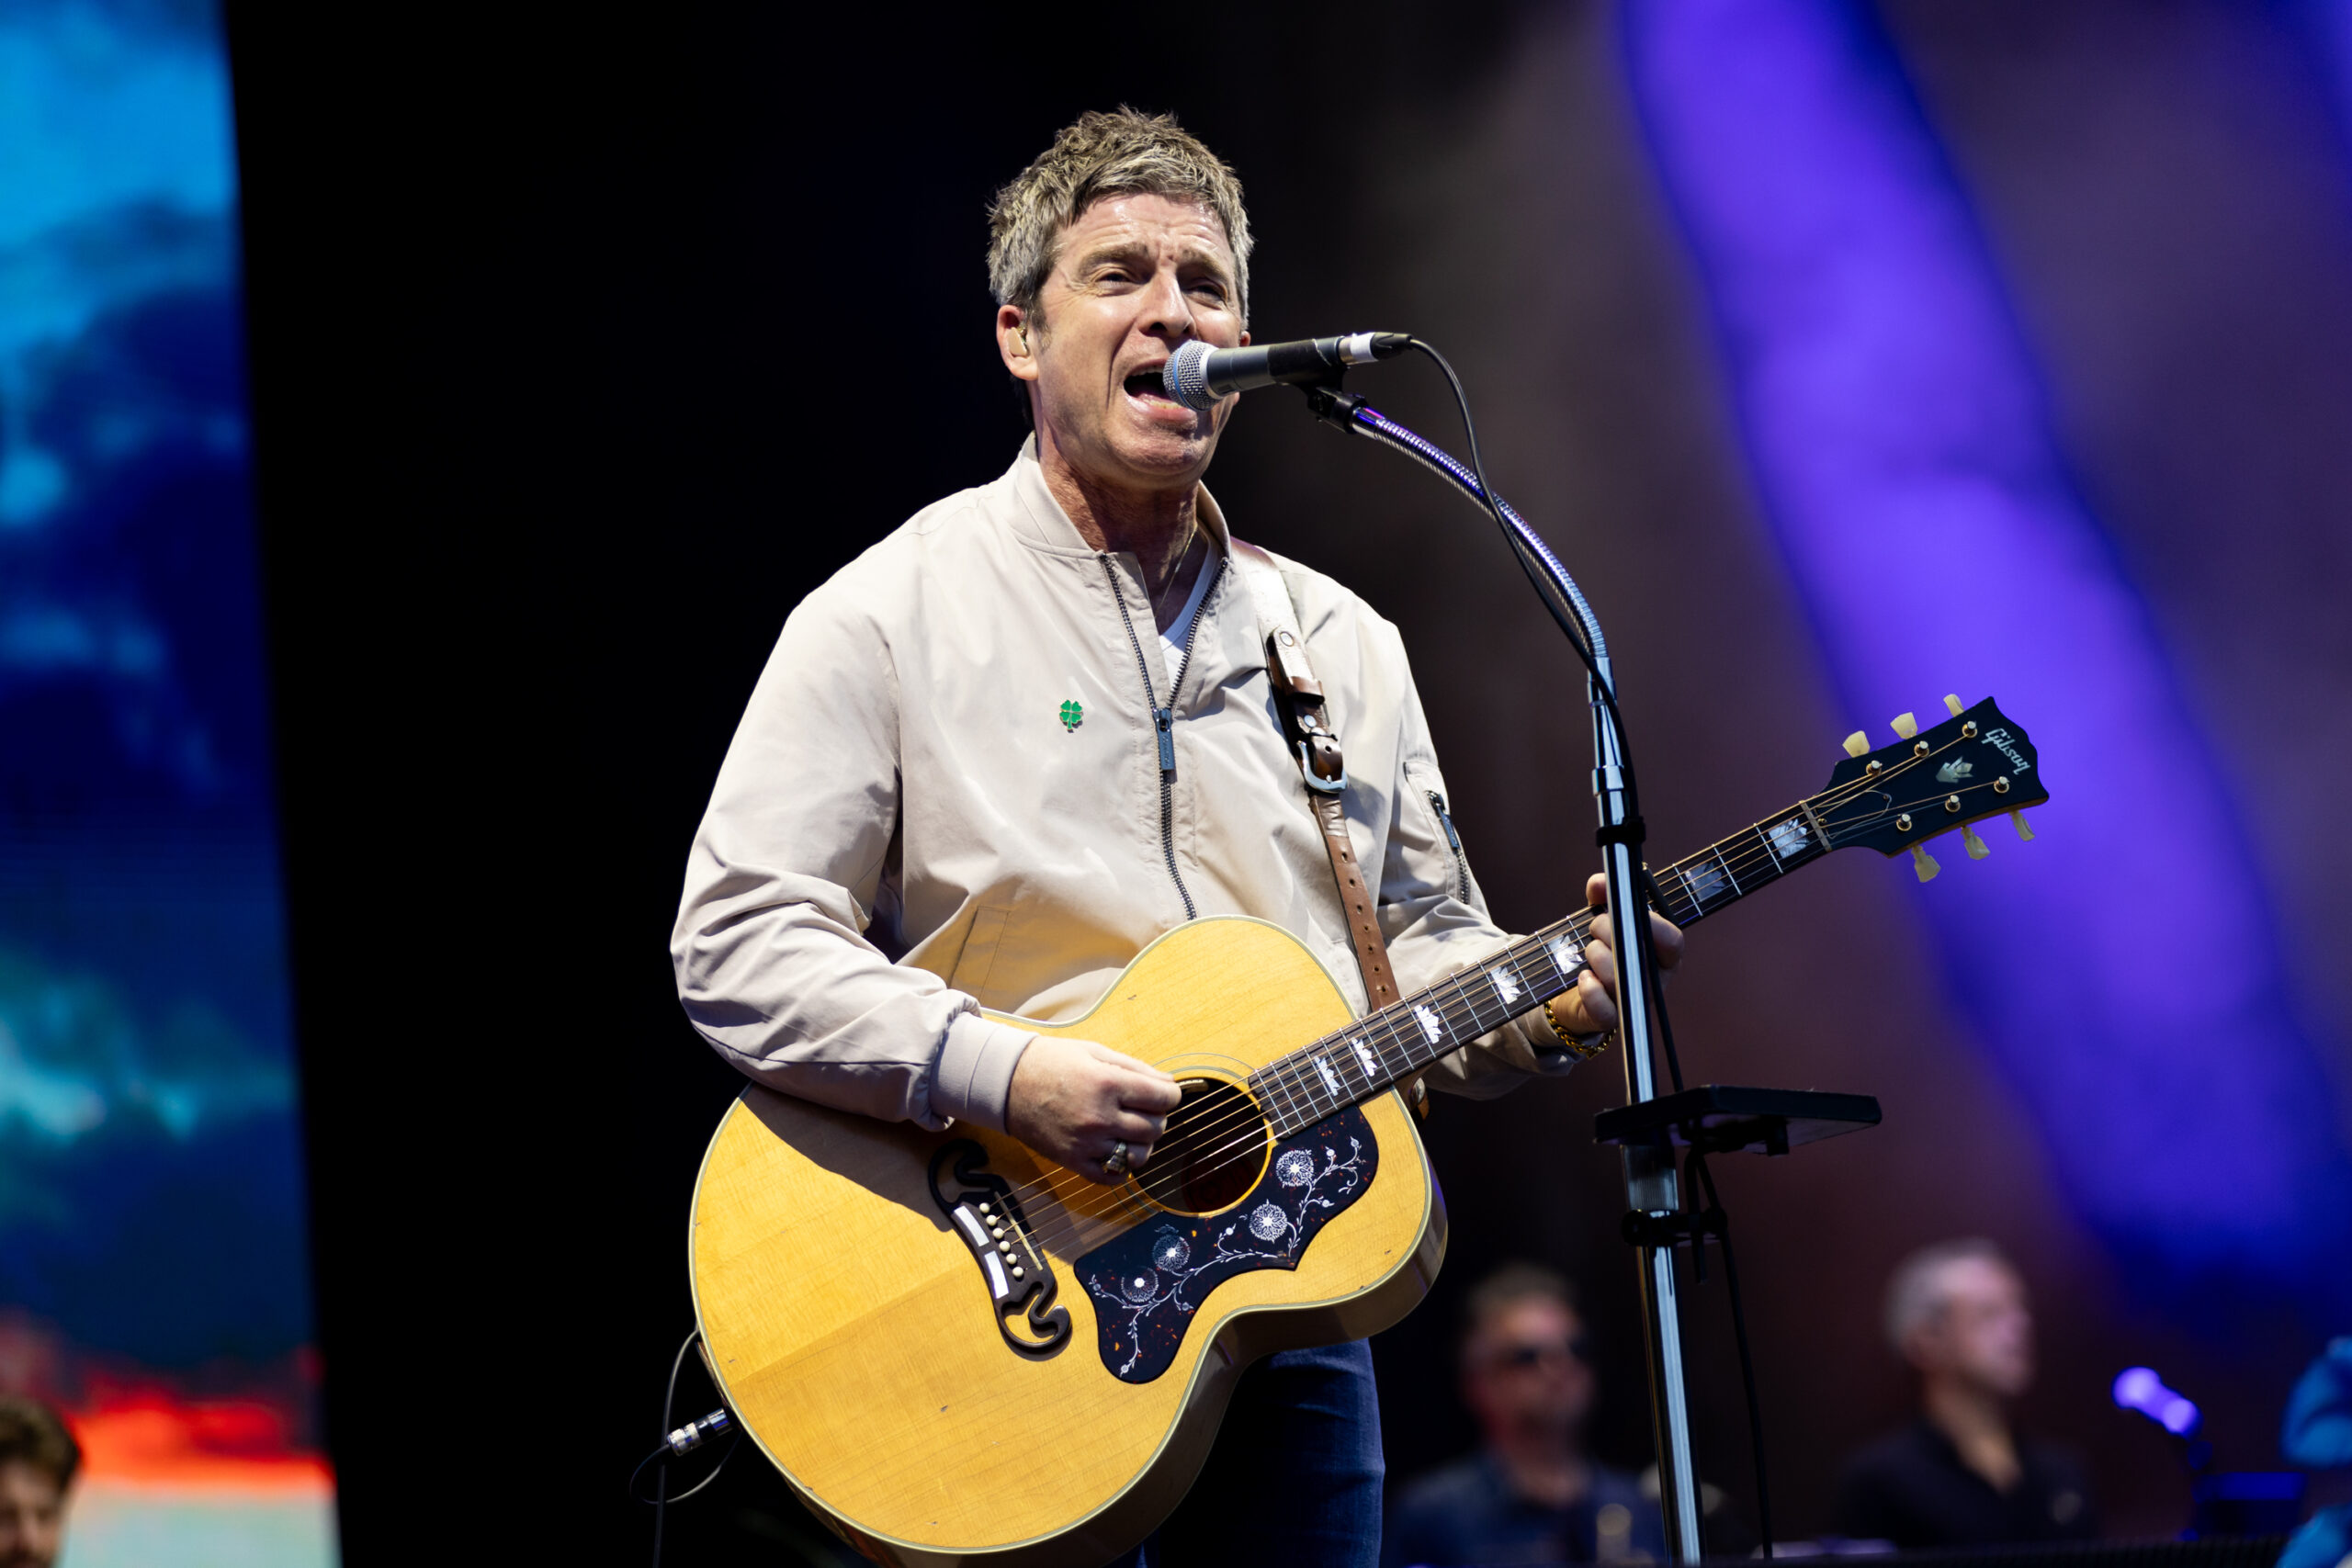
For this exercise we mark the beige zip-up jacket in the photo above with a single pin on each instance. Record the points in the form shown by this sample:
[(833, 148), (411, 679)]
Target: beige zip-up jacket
[(948, 792)]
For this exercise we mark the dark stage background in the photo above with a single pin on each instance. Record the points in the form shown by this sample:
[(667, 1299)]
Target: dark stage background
[(585, 343)]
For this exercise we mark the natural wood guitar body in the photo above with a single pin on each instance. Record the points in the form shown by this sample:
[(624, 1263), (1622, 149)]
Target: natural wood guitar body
[(851, 1331), (856, 1335)]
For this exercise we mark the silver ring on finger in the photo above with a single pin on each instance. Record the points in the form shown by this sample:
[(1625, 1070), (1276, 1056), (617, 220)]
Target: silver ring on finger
[(1115, 1162)]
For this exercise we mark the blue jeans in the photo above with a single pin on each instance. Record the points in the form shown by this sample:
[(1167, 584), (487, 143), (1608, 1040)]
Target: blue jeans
[(1294, 1477)]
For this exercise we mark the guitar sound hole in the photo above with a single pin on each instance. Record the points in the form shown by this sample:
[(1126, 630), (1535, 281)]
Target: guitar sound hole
[(1213, 1153)]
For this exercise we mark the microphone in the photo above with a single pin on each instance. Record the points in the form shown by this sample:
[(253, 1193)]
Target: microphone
[(1197, 374)]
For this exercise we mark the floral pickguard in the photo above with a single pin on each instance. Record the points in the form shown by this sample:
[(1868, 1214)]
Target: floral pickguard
[(1148, 1284)]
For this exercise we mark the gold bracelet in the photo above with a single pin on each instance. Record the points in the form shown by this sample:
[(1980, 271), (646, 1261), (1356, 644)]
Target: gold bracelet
[(1584, 1048)]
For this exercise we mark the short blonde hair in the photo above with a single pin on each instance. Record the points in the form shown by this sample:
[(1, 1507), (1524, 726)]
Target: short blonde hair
[(1126, 152), (1916, 1294)]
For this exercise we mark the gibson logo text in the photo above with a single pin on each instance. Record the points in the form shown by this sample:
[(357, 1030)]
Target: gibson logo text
[(1999, 740)]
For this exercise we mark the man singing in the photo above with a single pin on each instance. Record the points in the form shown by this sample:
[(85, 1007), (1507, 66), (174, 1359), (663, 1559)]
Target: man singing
[(1031, 730)]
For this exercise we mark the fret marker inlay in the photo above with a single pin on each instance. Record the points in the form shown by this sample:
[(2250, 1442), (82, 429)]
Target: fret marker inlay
[(1567, 954), (1457, 1010)]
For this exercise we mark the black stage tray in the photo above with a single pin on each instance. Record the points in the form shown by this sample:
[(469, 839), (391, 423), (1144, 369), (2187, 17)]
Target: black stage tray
[(1722, 1118)]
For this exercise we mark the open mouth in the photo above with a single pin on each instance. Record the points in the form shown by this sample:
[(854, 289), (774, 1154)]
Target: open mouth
[(1149, 383)]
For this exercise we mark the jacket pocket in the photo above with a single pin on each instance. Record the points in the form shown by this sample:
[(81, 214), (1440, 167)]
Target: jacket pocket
[(1426, 784)]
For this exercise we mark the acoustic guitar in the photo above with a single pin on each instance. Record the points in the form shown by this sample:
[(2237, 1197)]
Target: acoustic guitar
[(959, 1352)]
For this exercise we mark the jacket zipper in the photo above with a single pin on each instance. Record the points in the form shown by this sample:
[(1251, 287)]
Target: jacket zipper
[(1460, 861), (1163, 720)]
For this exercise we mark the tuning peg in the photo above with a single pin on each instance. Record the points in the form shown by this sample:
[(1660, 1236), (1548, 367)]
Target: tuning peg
[(1856, 744), (1924, 863), (1976, 850), (2017, 819), (1952, 701), (1906, 725)]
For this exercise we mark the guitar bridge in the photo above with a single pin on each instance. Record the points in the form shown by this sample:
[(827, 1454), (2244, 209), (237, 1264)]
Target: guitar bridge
[(982, 1210)]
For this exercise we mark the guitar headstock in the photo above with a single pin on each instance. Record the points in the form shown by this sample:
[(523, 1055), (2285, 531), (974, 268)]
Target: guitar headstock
[(1977, 764)]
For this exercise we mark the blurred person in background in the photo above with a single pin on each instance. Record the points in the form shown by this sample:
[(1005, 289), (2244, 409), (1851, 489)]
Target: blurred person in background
[(1959, 1474), (37, 1459), (1530, 1493)]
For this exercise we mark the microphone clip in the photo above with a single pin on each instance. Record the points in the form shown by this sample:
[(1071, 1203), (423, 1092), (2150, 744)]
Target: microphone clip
[(1327, 401)]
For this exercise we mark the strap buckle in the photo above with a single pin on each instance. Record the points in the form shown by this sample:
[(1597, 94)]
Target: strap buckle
[(1316, 781)]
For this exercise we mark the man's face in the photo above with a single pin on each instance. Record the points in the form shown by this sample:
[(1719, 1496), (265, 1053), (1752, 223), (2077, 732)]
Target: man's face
[(32, 1516), (1983, 1334), (1133, 278), (1526, 1369)]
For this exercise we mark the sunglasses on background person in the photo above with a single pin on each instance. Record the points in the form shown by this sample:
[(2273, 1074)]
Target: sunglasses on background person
[(1518, 1358)]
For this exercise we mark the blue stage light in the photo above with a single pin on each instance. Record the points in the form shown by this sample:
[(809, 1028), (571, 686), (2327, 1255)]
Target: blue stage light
[(2140, 1389)]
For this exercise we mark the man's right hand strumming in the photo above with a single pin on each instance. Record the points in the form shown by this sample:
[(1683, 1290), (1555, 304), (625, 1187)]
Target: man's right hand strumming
[(1076, 1102)]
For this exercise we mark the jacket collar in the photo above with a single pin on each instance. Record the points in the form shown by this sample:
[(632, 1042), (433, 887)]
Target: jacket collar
[(1040, 521)]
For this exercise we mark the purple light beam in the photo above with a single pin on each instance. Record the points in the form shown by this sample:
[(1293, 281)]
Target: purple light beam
[(2328, 26), (2120, 968)]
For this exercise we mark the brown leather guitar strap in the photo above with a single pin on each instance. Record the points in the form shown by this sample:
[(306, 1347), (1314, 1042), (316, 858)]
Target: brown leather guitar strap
[(1322, 766)]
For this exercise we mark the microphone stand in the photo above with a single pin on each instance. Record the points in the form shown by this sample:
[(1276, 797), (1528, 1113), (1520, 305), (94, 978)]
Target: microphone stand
[(1652, 1183)]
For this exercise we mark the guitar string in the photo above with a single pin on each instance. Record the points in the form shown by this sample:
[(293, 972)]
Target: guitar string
[(1244, 1126), (1474, 1001), (1467, 1013), (1248, 1127), (1482, 999), (1288, 1075), (1465, 1005), (1463, 1012), (1385, 1033), (1461, 1003)]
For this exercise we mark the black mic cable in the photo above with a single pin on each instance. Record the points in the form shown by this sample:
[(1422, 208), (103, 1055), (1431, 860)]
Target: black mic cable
[(679, 1443)]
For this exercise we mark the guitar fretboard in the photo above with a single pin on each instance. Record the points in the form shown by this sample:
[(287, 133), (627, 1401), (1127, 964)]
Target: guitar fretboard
[(1385, 1048)]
